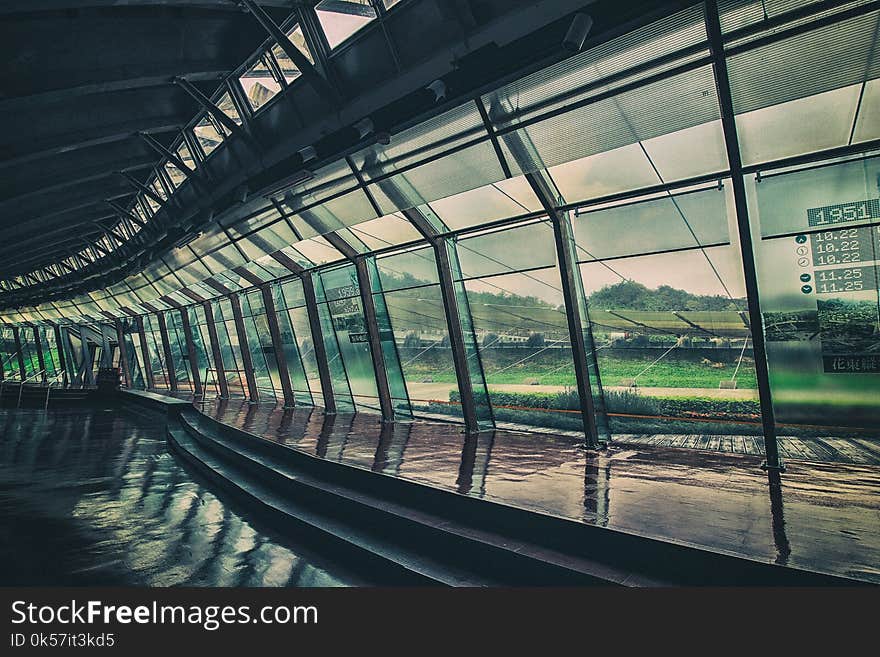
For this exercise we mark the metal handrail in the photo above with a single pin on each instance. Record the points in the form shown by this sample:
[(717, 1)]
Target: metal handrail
[(49, 388), (21, 385)]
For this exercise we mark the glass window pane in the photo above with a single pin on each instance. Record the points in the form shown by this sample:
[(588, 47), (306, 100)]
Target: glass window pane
[(288, 68), (340, 20), (259, 84)]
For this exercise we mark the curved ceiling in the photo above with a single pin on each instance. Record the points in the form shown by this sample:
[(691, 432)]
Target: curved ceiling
[(79, 79)]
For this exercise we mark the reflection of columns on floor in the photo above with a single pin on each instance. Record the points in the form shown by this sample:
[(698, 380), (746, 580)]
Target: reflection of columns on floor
[(597, 476), (285, 422), (475, 456), (777, 517), (249, 417), (393, 439), (327, 427)]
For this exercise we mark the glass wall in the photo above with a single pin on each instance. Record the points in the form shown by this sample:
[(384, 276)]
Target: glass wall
[(259, 341), (299, 349), (8, 353), (339, 305), (134, 355), (819, 261), (230, 347), (412, 297), (179, 352), (156, 352), (202, 345)]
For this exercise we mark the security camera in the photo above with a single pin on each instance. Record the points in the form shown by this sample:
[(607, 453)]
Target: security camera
[(438, 88)]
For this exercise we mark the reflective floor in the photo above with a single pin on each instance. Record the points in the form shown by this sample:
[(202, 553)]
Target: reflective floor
[(820, 516), (92, 497)]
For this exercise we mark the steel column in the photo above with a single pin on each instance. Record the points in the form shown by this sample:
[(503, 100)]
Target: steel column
[(382, 386), (166, 349), (277, 345), (123, 354), (318, 343), (244, 346), (191, 355), (40, 358), (61, 355), (22, 372), (148, 366), (219, 369), (750, 273), (456, 338)]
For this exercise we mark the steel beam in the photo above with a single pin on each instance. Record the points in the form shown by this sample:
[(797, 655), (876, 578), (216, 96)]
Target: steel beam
[(244, 346), (308, 70), (137, 184), (166, 349), (208, 105), (750, 273), (277, 345), (173, 157), (220, 370)]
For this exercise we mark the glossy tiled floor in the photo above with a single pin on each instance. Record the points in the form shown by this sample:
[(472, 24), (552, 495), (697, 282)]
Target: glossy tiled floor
[(92, 497), (821, 516)]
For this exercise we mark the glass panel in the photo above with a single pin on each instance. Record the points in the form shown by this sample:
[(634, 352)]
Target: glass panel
[(207, 134), (288, 68), (415, 306), (521, 325), (259, 340), (230, 347), (818, 266), (179, 353), (340, 20), (156, 352), (202, 346), (339, 298), (259, 84), (297, 338), (228, 108), (668, 315)]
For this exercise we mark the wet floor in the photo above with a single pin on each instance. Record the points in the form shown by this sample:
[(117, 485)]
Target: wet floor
[(819, 516), (92, 497)]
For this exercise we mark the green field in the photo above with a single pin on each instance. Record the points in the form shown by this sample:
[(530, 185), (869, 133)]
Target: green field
[(615, 371)]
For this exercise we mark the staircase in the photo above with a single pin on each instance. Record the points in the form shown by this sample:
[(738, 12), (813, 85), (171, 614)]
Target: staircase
[(408, 533), (34, 395)]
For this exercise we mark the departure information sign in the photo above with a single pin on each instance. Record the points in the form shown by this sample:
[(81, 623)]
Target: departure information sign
[(844, 279), (844, 212)]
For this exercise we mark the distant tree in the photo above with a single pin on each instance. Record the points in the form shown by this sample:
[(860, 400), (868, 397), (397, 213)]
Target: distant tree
[(535, 340), (412, 341), (490, 339), (445, 341), (630, 295)]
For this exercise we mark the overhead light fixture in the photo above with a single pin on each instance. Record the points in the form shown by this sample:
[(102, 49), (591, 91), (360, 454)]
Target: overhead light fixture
[(187, 239), (307, 153), (364, 127), (438, 88), (580, 27)]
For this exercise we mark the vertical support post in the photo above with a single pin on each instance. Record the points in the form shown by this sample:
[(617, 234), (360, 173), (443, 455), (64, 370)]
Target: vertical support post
[(318, 342), (277, 345), (38, 343), (18, 353), (456, 338), (246, 359), (215, 350), (166, 349), (123, 354), (86, 374), (62, 363), (191, 355), (750, 272), (382, 386), (148, 366)]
